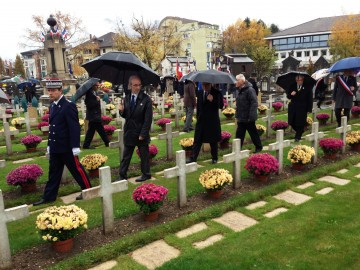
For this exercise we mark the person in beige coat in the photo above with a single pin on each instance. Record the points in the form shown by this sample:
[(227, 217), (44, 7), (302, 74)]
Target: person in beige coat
[(189, 104)]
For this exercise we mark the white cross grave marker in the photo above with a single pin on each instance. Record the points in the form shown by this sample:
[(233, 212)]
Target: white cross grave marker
[(285, 101), (168, 136), (105, 191), (7, 215), (180, 170), (235, 157), (315, 110), (342, 131), (119, 143), (268, 118), (314, 136), (270, 101), (279, 146)]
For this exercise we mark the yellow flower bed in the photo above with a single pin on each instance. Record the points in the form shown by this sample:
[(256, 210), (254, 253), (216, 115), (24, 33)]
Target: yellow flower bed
[(10, 128), (93, 161), (215, 179), (353, 137), (229, 110), (263, 108), (260, 128), (186, 142), (301, 154), (309, 120), (110, 107), (18, 121)]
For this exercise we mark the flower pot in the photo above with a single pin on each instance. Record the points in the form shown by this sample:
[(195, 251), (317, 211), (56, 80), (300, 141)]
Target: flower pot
[(28, 187), (322, 122), (330, 155), (260, 132), (94, 173), (277, 109), (12, 137), (298, 166), (188, 152), (262, 112), (63, 246), (355, 147), (110, 136), (355, 115), (30, 149), (229, 116), (45, 133), (262, 178), (214, 194), (17, 126), (152, 216), (224, 145), (163, 127)]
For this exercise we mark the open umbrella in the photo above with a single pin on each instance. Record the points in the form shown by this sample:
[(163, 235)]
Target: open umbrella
[(346, 63), (3, 97), (321, 73), (86, 86), (32, 80), (117, 67), (186, 77), (23, 85), (286, 80), (212, 76)]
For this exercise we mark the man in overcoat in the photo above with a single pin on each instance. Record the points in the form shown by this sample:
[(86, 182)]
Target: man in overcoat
[(208, 128), (344, 91), (189, 104), (301, 102), (63, 143), (137, 111)]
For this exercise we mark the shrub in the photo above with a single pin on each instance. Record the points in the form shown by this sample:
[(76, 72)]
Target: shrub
[(331, 145), (27, 173), (31, 140), (150, 197), (262, 164)]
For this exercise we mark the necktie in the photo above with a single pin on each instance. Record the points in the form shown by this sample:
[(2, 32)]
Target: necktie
[(132, 103)]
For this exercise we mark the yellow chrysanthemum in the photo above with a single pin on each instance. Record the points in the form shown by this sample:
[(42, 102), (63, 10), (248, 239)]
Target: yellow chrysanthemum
[(215, 179)]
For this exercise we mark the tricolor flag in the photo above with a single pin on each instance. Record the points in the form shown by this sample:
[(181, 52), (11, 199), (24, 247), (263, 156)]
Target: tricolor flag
[(178, 70), (64, 34), (42, 37)]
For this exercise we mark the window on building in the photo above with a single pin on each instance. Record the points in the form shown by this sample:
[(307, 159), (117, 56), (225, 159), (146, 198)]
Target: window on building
[(307, 53), (316, 38), (87, 51), (283, 41), (306, 39), (315, 53), (283, 55), (323, 52), (298, 54), (291, 40), (298, 40), (275, 42), (324, 37)]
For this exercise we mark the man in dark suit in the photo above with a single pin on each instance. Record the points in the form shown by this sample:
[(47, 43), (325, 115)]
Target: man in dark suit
[(93, 115), (208, 128), (301, 102), (63, 143), (344, 90), (137, 111)]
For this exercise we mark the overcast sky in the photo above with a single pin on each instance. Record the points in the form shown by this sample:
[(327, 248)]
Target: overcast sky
[(99, 16)]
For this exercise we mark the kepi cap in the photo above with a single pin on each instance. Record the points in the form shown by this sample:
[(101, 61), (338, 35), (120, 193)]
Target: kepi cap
[(53, 83)]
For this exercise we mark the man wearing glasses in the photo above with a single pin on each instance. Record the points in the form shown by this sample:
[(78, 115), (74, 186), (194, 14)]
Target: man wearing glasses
[(137, 111), (93, 115)]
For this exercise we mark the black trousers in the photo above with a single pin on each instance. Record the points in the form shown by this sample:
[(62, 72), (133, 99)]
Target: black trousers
[(56, 167), (197, 147), (251, 128), (338, 115), (299, 130), (144, 158), (95, 126)]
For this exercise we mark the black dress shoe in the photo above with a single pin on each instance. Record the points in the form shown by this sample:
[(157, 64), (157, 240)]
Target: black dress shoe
[(214, 161), (89, 147), (42, 201), (297, 140), (257, 150), (80, 197), (143, 178)]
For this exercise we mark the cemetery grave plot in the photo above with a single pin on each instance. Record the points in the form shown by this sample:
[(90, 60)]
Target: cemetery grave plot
[(41, 256)]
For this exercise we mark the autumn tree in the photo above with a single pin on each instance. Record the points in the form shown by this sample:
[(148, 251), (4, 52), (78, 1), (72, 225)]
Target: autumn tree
[(144, 39), (245, 36), (19, 66), (2, 67), (345, 37), (264, 59)]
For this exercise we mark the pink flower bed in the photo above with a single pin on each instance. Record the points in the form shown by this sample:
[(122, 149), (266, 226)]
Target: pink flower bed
[(225, 136), (24, 174), (331, 145), (279, 124), (322, 116), (163, 121), (31, 140), (109, 129), (262, 164), (149, 196)]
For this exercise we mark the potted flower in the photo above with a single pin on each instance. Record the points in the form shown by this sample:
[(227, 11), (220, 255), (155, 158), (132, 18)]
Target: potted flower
[(150, 197), (215, 180), (309, 122), (277, 106), (12, 133), (45, 118), (225, 137), (187, 144), (353, 140), (18, 122), (331, 146), (106, 119), (153, 150), (279, 124), (43, 124), (322, 117), (8, 111), (31, 142), (162, 122), (81, 122), (355, 111), (109, 107), (229, 112), (59, 225), (184, 118), (262, 109), (260, 129), (109, 130), (93, 162), (25, 176), (262, 165), (172, 112), (300, 155)]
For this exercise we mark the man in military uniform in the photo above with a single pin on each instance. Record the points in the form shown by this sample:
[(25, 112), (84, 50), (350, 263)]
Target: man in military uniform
[(63, 143)]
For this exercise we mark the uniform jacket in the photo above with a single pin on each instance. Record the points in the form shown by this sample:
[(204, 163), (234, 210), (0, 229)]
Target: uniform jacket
[(208, 127), (138, 121), (342, 98), (64, 127), (93, 110), (246, 104), (299, 105)]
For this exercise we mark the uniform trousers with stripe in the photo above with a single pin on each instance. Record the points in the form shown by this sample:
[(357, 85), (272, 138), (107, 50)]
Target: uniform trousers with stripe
[(57, 163)]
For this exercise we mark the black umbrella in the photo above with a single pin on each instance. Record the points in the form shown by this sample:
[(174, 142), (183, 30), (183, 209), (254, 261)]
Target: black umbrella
[(117, 67), (3, 97), (86, 86), (187, 76), (212, 76), (23, 85), (287, 80)]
